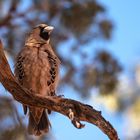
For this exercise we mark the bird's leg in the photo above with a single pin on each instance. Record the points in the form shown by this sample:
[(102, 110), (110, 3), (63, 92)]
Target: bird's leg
[(52, 93)]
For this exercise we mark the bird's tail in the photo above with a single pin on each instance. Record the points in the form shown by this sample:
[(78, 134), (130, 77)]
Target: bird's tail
[(40, 128)]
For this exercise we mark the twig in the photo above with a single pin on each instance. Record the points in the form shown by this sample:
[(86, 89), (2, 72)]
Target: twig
[(75, 110)]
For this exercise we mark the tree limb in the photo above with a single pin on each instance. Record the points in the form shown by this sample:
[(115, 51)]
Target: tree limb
[(74, 110)]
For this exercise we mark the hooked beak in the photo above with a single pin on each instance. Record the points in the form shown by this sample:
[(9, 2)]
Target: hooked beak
[(49, 28)]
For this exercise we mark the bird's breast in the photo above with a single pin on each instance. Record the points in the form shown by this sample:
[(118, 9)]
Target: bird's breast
[(37, 71)]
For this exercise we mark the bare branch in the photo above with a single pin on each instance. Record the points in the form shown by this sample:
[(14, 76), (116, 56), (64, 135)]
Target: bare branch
[(75, 110)]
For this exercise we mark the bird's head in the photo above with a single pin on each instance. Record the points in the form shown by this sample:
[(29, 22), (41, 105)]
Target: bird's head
[(43, 31), (40, 34)]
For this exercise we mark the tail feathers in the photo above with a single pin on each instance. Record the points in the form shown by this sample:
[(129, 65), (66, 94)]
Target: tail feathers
[(40, 128)]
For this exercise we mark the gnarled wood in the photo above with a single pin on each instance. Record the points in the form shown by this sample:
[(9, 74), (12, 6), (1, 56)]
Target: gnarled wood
[(75, 110)]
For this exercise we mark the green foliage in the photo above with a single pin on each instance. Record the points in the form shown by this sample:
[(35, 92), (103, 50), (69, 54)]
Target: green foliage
[(78, 17), (103, 73)]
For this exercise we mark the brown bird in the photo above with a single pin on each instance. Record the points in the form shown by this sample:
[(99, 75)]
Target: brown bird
[(37, 69)]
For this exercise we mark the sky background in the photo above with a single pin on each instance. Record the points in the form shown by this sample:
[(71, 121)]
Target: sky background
[(125, 44)]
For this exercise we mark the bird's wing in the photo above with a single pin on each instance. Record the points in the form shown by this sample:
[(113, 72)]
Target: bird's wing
[(53, 70), (19, 73)]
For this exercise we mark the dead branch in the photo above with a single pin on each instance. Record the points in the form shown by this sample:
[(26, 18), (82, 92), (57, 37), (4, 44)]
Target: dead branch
[(74, 110)]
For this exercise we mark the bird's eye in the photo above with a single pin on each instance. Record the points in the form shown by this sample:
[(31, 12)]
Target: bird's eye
[(44, 34)]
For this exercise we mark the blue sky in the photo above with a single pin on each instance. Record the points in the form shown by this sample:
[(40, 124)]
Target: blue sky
[(125, 46), (126, 39)]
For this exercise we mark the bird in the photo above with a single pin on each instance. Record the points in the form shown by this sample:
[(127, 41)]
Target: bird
[(37, 69)]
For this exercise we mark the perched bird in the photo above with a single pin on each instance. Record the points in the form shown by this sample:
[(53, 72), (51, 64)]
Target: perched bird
[(37, 69)]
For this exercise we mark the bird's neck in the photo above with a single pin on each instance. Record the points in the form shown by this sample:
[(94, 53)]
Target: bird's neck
[(31, 41)]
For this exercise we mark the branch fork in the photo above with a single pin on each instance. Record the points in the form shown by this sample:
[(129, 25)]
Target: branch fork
[(75, 121)]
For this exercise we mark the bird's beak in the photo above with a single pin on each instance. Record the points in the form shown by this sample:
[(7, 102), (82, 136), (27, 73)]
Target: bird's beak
[(49, 28)]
